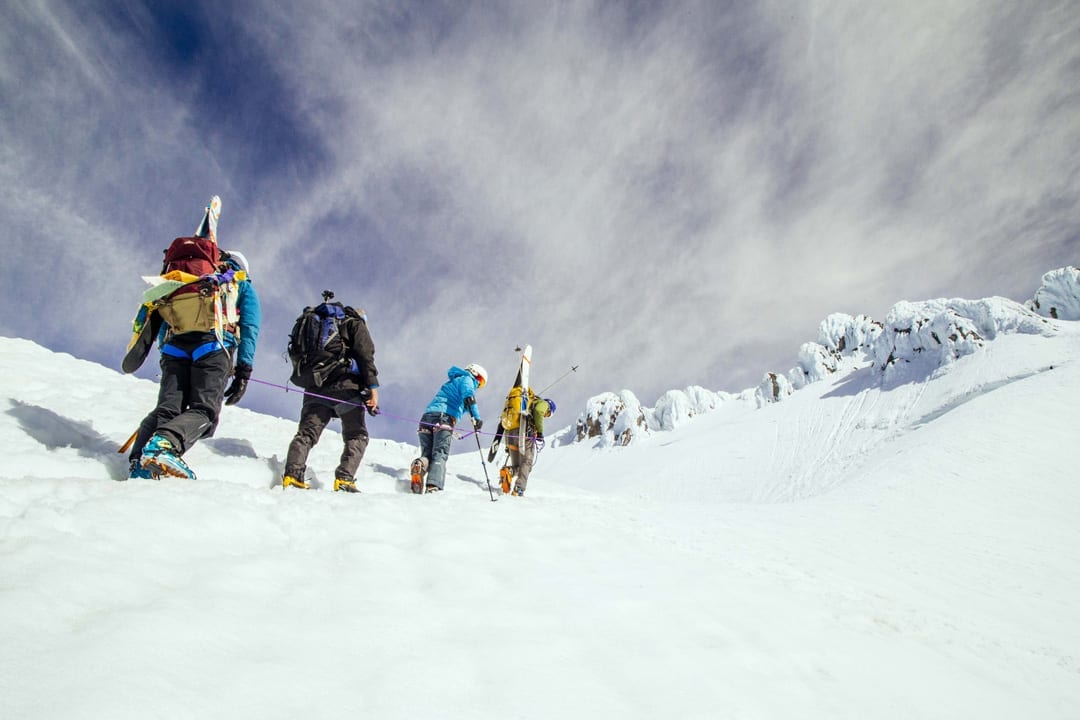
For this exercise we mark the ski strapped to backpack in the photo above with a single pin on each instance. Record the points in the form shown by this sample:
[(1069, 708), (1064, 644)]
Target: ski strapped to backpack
[(520, 381), (208, 227), (317, 348)]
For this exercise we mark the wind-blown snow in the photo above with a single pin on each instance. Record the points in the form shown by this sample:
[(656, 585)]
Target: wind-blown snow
[(874, 546)]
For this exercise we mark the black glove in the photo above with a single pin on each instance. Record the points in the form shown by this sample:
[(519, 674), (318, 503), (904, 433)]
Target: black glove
[(239, 384), (539, 441), (477, 423), (365, 396)]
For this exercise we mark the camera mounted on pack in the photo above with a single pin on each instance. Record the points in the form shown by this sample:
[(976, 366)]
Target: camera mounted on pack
[(317, 349)]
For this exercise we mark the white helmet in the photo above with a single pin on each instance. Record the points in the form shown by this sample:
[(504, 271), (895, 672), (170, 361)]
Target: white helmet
[(477, 372), (240, 260)]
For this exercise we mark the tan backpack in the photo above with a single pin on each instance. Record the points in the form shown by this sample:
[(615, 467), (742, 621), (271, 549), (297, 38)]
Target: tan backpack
[(202, 297)]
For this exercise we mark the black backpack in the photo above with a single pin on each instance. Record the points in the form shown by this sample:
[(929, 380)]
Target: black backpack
[(317, 347)]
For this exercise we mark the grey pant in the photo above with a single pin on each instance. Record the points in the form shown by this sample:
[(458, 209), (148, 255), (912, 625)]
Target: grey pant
[(521, 459), (315, 415), (435, 433)]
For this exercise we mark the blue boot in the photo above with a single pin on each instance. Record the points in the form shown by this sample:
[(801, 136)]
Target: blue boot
[(137, 472), (159, 458)]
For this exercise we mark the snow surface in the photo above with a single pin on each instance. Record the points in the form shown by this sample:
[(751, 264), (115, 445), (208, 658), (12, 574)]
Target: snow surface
[(872, 546)]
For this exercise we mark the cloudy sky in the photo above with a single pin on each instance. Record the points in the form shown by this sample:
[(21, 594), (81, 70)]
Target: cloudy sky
[(620, 184)]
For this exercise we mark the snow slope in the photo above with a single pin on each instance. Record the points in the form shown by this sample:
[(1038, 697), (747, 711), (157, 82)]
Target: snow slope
[(904, 550)]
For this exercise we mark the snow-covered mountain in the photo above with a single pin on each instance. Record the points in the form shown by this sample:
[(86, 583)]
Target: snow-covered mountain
[(916, 341), (894, 537)]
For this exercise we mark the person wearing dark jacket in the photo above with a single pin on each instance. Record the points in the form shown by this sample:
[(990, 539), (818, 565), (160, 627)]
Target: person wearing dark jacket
[(195, 368), (347, 393)]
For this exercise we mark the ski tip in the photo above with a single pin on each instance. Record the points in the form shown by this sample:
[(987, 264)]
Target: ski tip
[(208, 226)]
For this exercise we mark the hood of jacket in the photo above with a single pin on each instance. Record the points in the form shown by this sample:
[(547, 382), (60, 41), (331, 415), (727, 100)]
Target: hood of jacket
[(456, 372)]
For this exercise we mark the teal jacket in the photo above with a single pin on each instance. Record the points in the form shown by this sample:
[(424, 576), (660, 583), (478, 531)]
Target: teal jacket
[(452, 396)]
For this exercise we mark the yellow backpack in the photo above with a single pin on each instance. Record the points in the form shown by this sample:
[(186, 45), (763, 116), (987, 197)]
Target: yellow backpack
[(511, 414)]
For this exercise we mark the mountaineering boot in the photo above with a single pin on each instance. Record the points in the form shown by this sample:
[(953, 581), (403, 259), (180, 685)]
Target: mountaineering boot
[(159, 458), (346, 485), (432, 489), (416, 476), (518, 492), (504, 478), (289, 481), (137, 472)]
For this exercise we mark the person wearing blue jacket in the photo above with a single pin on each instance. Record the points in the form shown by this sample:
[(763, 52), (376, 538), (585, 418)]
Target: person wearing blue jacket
[(454, 398), (195, 368)]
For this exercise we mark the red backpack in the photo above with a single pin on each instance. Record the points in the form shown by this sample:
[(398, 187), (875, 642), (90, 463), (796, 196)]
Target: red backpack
[(194, 255)]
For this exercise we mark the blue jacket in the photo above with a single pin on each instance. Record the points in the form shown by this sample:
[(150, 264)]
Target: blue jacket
[(247, 304), (451, 396)]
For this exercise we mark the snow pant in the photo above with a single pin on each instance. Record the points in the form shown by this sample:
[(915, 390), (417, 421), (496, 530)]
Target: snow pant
[(315, 415), (520, 459), (435, 432), (194, 371)]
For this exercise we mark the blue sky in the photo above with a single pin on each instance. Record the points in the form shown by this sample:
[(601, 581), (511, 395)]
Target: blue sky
[(665, 194)]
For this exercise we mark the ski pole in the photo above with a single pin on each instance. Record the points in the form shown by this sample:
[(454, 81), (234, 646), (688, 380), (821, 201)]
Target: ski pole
[(484, 465), (573, 368), (130, 441)]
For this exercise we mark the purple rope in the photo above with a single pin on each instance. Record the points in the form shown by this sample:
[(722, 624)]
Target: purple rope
[(287, 389)]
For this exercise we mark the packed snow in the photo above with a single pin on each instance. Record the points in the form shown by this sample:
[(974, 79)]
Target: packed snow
[(870, 535)]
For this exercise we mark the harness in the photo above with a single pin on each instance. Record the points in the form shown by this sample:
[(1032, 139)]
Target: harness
[(195, 355), (446, 425)]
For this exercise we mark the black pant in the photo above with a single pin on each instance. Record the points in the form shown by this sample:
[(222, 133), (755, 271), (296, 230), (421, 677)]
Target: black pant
[(190, 394), (315, 415)]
